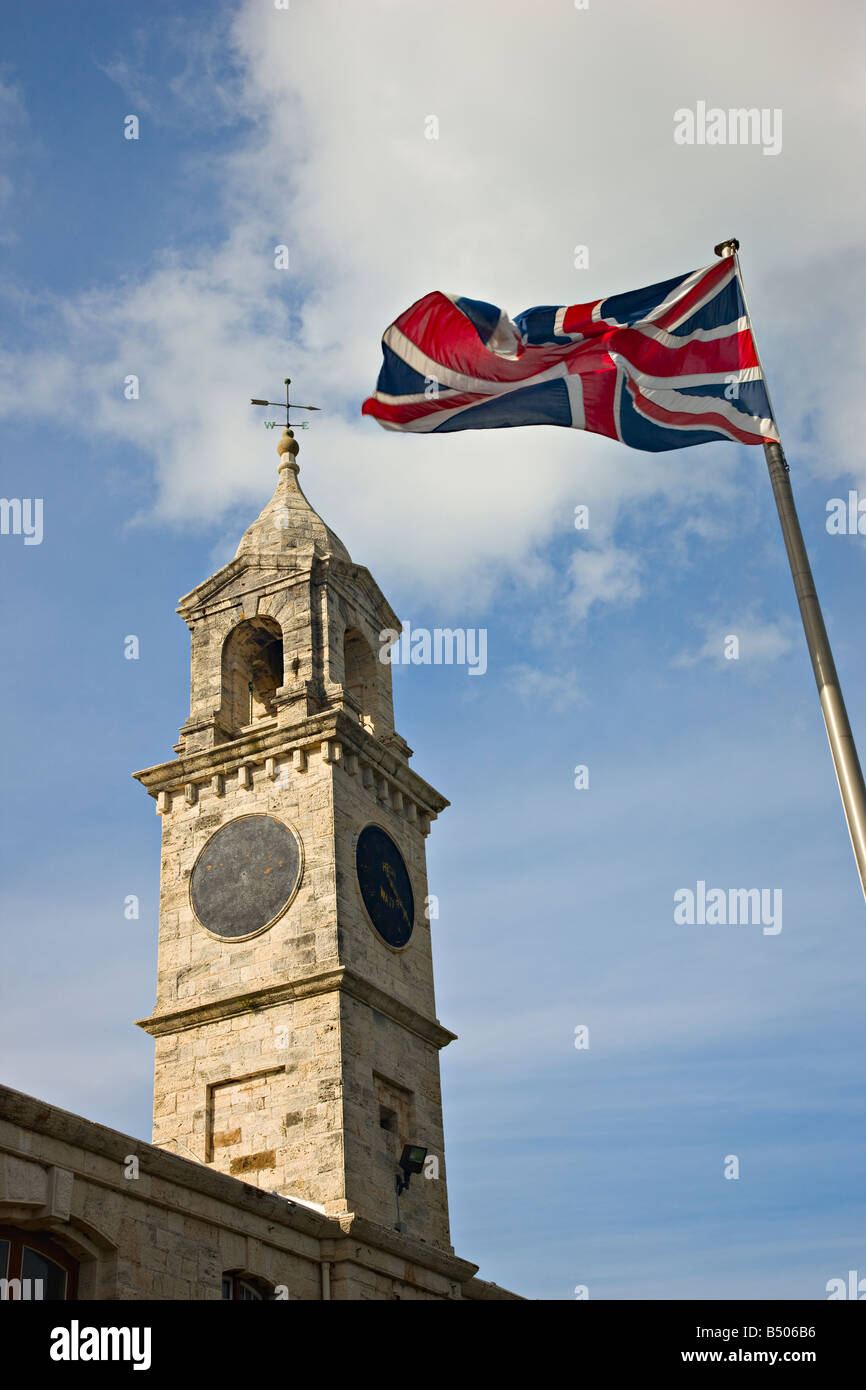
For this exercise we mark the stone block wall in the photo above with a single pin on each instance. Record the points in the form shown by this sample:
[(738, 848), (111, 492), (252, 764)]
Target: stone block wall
[(145, 1224)]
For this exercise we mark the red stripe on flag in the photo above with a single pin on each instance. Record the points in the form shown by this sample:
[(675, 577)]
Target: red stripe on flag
[(402, 412), (696, 358), (578, 319), (706, 420), (443, 333), (684, 307), (599, 393)]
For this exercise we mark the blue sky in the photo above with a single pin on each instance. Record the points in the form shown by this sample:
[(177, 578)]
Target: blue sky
[(604, 1166)]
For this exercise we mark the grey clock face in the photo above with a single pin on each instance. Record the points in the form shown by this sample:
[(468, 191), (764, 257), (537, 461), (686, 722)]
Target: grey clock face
[(245, 876)]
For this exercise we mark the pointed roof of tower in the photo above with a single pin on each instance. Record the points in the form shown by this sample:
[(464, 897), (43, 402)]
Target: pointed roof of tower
[(288, 523)]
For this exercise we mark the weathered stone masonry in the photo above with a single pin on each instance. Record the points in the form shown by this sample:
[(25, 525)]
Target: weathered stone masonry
[(293, 1056)]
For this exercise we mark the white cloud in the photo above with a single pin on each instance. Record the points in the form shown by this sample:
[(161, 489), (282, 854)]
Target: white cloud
[(534, 156), (609, 576)]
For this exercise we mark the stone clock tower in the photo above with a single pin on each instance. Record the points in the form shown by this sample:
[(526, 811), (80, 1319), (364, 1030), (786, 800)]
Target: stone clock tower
[(297, 1044)]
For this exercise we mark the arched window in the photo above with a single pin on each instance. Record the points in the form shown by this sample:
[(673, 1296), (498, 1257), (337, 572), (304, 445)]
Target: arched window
[(247, 1288), (252, 672), (34, 1267), (360, 681)]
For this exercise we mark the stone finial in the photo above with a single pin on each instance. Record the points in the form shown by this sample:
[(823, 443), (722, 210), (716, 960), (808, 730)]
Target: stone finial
[(288, 445), (288, 523)]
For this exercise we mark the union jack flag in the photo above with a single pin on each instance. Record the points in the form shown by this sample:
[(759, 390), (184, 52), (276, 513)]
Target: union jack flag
[(664, 367)]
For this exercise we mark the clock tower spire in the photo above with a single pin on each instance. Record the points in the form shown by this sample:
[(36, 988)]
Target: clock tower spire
[(297, 1044)]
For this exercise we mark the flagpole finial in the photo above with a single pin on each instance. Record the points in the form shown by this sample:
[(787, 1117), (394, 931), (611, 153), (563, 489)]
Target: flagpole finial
[(727, 248)]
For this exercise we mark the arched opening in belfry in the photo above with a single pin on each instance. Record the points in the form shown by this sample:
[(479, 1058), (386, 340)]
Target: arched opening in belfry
[(360, 681), (252, 672)]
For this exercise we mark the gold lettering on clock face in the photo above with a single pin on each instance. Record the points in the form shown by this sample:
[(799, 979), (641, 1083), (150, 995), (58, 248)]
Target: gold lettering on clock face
[(393, 899)]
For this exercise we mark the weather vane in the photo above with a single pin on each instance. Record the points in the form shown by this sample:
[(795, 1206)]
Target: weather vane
[(290, 405)]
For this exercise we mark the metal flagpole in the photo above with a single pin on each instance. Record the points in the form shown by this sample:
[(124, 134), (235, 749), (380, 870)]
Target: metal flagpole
[(845, 760)]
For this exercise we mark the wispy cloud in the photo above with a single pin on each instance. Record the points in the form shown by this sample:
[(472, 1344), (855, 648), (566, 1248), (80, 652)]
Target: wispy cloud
[(747, 643), (544, 689)]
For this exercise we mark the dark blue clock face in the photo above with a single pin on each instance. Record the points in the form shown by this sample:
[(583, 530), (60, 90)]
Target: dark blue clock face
[(385, 886)]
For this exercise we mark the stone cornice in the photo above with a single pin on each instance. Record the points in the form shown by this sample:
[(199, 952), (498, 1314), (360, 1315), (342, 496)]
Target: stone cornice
[(481, 1289), (303, 986), (283, 578), (377, 1237), (256, 747), (286, 570), (345, 578), (284, 567)]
